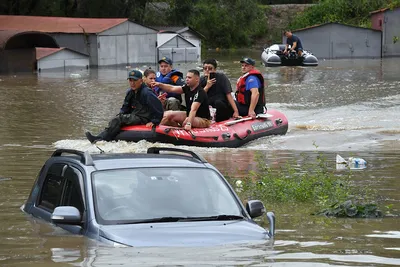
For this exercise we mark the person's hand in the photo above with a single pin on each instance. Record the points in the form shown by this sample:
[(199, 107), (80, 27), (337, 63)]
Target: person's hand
[(252, 114), (154, 84), (149, 124), (162, 98), (188, 126), (236, 115), (211, 82), (285, 51)]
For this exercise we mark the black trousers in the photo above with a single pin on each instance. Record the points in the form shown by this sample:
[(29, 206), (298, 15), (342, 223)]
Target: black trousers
[(115, 125), (224, 111), (244, 109)]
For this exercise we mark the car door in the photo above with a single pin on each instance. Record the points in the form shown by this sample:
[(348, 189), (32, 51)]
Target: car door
[(62, 186), (50, 192), (72, 195)]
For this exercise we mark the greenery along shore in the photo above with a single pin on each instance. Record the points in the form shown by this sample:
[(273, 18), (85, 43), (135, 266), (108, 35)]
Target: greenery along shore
[(224, 23)]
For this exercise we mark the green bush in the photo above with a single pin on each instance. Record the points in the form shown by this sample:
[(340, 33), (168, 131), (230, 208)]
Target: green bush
[(354, 12), (307, 182)]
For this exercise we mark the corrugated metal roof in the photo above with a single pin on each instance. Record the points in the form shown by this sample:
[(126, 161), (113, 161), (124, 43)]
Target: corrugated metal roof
[(58, 24), (178, 29), (42, 52)]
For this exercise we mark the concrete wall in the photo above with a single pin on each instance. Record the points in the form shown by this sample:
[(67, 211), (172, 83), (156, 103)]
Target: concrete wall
[(333, 41), (391, 32), (63, 59)]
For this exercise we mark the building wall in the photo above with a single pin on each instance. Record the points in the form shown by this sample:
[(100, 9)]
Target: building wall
[(391, 34), (73, 41), (333, 41), (377, 21), (127, 43), (17, 60), (188, 35), (63, 59)]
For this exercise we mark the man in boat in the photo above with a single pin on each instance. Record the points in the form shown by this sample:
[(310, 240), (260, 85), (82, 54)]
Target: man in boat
[(168, 75), (250, 98), (219, 89), (197, 114), (294, 42), (141, 106)]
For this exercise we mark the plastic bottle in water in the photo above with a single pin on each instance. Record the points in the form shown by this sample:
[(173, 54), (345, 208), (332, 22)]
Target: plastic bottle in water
[(357, 161)]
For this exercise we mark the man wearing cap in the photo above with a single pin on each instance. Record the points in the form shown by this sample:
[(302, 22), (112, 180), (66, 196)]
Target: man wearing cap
[(141, 106), (197, 114), (168, 75), (250, 98)]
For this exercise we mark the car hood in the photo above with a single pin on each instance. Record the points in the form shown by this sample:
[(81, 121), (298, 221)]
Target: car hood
[(203, 233)]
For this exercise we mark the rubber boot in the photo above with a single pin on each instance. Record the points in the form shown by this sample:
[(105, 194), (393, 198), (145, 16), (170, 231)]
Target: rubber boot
[(93, 138)]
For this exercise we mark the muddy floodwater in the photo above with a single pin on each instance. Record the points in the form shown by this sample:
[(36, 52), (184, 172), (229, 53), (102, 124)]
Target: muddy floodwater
[(345, 107)]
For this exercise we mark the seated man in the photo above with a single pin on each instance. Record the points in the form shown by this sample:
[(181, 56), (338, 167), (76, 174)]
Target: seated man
[(294, 42), (250, 99), (168, 75), (141, 106), (197, 114), (219, 91)]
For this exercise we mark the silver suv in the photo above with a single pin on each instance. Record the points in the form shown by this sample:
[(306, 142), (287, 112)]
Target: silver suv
[(165, 197)]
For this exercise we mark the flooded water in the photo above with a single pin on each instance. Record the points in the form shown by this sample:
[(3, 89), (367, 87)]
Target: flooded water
[(346, 107)]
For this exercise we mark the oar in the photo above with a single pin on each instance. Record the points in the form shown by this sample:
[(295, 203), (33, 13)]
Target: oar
[(259, 116)]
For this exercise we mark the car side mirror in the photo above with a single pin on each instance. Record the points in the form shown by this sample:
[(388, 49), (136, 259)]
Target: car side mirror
[(66, 215), (255, 208)]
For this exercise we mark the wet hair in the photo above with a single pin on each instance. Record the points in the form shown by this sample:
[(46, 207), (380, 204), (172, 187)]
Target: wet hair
[(147, 72), (195, 72), (210, 61)]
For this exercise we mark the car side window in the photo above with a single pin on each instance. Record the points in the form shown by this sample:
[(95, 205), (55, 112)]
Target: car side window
[(72, 194), (52, 187)]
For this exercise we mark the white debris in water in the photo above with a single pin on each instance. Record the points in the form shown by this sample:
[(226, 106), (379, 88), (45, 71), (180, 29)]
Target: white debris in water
[(75, 75)]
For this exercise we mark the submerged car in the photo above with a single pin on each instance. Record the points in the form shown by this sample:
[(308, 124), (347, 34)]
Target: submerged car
[(165, 197)]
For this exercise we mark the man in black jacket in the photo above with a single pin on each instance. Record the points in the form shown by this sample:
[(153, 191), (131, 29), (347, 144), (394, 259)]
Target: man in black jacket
[(141, 106)]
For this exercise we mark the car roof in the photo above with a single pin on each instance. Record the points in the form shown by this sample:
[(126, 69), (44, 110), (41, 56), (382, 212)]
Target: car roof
[(153, 158)]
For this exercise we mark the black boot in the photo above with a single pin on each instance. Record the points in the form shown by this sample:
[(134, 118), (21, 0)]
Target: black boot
[(93, 138)]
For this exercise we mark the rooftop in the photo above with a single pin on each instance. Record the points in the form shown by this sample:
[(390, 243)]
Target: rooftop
[(58, 24)]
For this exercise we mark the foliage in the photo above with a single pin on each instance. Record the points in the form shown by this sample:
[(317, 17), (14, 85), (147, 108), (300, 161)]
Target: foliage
[(353, 210), (307, 182), (228, 23), (356, 12)]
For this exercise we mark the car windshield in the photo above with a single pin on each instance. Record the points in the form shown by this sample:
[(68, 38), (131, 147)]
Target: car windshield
[(147, 194)]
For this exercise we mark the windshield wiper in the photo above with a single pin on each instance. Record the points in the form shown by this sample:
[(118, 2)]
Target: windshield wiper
[(156, 220), (222, 217)]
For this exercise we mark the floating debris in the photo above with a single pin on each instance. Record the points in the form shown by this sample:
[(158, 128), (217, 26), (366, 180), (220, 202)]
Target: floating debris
[(352, 163)]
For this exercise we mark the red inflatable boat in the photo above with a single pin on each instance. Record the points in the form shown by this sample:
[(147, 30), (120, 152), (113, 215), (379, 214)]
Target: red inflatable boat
[(229, 133)]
